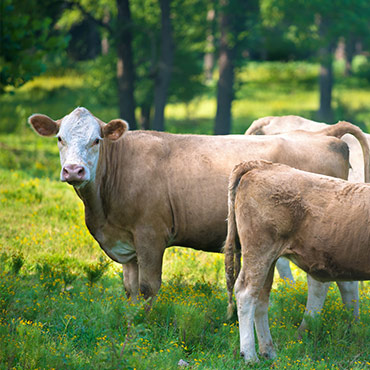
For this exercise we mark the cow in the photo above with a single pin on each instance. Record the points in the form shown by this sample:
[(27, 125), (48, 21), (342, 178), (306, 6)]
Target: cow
[(317, 291), (144, 191), (318, 222), (282, 124)]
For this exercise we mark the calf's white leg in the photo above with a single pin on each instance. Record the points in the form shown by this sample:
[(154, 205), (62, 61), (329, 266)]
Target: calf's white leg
[(252, 290), (350, 296), (261, 322), (246, 301), (317, 292), (283, 267)]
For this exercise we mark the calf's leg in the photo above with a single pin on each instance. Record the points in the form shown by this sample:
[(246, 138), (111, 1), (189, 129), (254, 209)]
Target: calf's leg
[(246, 301), (252, 292), (317, 292), (350, 296), (261, 322), (283, 267)]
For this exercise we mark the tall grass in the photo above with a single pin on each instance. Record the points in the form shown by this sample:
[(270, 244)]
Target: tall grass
[(62, 307)]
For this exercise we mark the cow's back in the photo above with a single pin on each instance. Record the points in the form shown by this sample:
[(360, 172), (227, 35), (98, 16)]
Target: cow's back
[(284, 124)]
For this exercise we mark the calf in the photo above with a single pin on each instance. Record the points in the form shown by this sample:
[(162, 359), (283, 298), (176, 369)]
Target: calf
[(144, 191), (316, 290), (319, 223)]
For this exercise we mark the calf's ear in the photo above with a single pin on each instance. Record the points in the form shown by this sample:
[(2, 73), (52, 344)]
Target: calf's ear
[(44, 125), (115, 129)]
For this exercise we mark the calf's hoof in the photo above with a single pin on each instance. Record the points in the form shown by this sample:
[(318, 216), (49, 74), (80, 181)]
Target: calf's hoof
[(249, 357), (270, 355)]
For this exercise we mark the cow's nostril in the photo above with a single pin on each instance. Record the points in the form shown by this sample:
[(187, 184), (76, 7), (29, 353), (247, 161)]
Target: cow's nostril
[(73, 172)]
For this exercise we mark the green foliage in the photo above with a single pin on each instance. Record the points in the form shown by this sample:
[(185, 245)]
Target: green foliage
[(26, 38), (362, 69), (17, 261), (95, 271), (317, 23)]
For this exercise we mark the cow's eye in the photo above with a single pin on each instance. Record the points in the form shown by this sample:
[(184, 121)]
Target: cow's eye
[(96, 141), (59, 139)]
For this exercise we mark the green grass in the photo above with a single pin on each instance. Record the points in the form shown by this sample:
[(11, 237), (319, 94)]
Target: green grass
[(61, 307)]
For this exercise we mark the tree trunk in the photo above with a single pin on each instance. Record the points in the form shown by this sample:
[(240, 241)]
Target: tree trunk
[(104, 41), (209, 56), (164, 71), (125, 65), (326, 86), (225, 93), (350, 49), (145, 116), (326, 77)]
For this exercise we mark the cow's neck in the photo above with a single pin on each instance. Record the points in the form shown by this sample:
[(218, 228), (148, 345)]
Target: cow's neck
[(94, 213), (96, 194)]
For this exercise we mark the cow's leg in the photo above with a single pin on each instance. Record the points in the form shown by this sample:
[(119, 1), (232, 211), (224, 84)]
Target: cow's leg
[(131, 279), (350, 296), (254, 276), (317, 292), (150, 257), (283, 267), (266, 347)]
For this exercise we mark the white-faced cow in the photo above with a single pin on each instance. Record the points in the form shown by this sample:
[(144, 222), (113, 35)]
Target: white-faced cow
[(144, 191), (319, 223), (317, 291)]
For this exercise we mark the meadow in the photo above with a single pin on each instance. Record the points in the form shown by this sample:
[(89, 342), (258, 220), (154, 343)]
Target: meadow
[(62, 302)]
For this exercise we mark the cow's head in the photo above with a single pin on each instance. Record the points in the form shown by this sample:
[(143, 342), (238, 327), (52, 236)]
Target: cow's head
[(79, 136)]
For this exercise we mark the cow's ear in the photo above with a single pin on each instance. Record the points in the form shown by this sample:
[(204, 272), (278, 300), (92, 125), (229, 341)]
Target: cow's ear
[(44, 125), (115, 129)]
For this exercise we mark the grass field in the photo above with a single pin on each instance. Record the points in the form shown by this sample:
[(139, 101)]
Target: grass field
[(62, 303)]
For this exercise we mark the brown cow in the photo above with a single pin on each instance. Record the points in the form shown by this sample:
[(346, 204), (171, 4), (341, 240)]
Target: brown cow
[(282, 124), (316, 291), (145, 191), (318, 222)]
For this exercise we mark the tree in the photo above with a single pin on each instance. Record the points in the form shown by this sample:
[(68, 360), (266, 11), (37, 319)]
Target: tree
[(238, 26), (27, 36), (119, 28), (163, 76), (125, 64), (186, 74), (225, 92)]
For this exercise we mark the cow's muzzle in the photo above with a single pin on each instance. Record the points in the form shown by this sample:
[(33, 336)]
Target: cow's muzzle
[(74, 174)]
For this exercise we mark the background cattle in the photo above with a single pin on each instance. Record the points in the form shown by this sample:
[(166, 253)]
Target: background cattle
[(144, 191), (320, 223)]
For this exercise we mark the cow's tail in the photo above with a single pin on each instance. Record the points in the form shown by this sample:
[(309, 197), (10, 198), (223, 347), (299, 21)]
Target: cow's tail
[(341, 128), (231, 249), (257, 125)]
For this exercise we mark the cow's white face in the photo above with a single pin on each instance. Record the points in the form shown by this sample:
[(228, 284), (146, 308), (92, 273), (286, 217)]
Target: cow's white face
[(79, 139), (80, 135)]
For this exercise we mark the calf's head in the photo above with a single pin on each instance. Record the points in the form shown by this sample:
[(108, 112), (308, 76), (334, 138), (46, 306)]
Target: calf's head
[(79, 135)]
